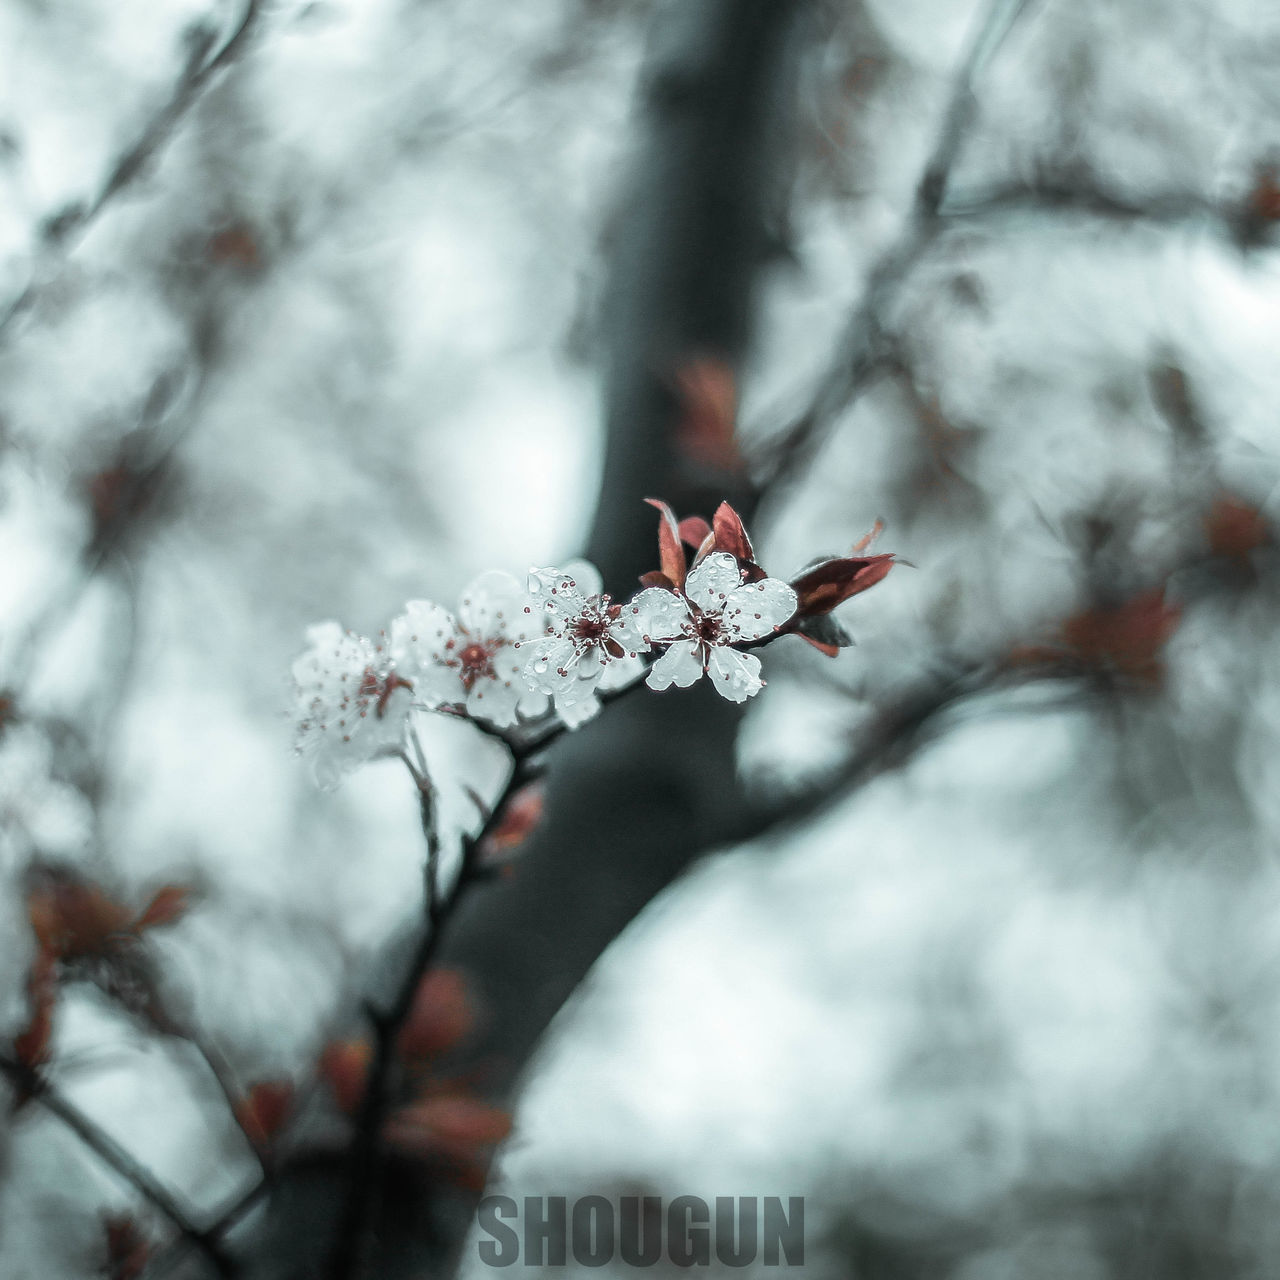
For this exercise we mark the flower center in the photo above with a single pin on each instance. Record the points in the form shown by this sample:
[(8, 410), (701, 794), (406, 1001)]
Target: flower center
[(475, 662), (707, 628), (373, 687)]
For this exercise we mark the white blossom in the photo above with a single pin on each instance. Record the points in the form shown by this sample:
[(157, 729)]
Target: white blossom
[(471, 660), (715, 611), (587, 641), (352, 703)]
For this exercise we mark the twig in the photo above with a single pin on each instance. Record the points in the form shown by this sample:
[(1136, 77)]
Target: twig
[(119, 1160), (72, 225), (366, 1148), (863, 348)]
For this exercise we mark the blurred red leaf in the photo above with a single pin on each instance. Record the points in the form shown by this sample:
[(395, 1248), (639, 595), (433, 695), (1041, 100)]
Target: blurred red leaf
[(670, 550), (128, 1250), (519, 817), (439, 1017), (73, 917), (1264, 199), (261, 1113), (708, 407), (169, 905), (1234, 528), (450, 1129), (656, 579), (832, 582), (235, 246), (1126, 638), (345, 1065)]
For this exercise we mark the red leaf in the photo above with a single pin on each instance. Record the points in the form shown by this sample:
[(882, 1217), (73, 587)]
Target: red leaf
[(235, 246), (670, 551), (708, 402), (730, 534), (1234, 528), (128, 1250), (694, 531), (169, 905), (72, 917), (655, 579), (439, 1017), (867, 538), (831, 583), (831, 650), (1264, 200), (1127, 637), (521, 815), (452, 1125), (262, 1112), (345, 1065)]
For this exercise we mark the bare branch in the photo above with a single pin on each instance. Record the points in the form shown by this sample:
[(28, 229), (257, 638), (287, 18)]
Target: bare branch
[(119, 1161), (200, 70), (864, 347)]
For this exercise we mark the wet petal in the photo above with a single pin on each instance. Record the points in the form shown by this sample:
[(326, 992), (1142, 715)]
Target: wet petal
[(709, 585), (586, 577), (490, 604), (681, 665), (419, 635), (556, 592), (495, 701), (575, 711), (757, 609), (435, 685), (735, 675), (658, 614), (622, 672)]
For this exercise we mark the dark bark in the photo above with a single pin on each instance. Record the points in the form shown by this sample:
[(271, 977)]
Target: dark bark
[(636, 795)]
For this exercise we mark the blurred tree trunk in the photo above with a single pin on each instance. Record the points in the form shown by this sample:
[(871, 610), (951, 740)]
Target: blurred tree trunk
[(633, 797)]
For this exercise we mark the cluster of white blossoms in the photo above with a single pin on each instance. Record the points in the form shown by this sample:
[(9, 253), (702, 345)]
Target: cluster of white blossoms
[(515, 653)]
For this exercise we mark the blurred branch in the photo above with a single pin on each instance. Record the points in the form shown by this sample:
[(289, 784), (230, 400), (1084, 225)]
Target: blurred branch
[(864, 347), (119, 1160), (60, 237), (364, 1157), (1061, 196)]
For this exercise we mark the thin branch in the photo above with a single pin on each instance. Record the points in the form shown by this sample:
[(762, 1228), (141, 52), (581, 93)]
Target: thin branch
[(864, 346), (366, 1148), (164, 1261), (1060, 196), (71, 227), (119, 1161)]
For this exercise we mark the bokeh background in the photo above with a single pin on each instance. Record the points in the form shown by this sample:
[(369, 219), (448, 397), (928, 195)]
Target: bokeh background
[(311, 326)]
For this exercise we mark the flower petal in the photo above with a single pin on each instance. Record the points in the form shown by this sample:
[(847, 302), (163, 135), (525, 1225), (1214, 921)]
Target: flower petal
[(658, 614), (735, 675), (709, 585), (490, 604), (495, 701), (681, 666), (585, 576), (577, 711), (556, 592), (419, 636), (757, 609), (435, 685), (621, 672)]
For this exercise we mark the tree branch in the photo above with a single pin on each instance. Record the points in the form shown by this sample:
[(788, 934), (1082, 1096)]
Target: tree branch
[(120, 1161), (70, 227)]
